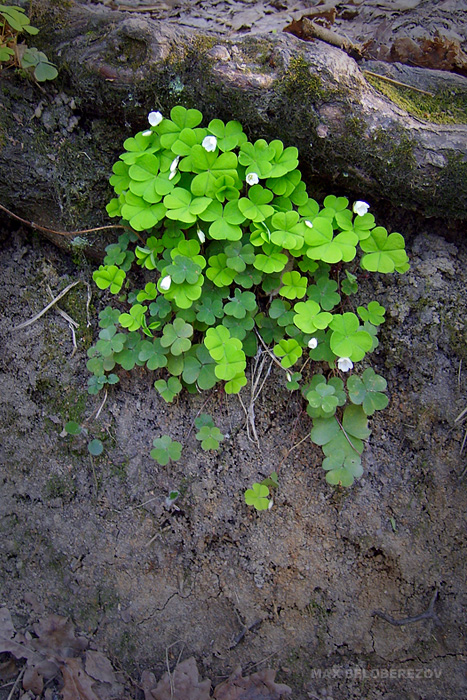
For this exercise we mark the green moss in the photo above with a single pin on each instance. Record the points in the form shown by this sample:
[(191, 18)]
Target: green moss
[(443, 107), (298, 80), (61, 487)]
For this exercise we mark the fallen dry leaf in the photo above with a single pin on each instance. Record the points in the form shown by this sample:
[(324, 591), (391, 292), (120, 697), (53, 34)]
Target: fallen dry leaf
[(258, 686), (182, 684), (77, 683), (56, 637)]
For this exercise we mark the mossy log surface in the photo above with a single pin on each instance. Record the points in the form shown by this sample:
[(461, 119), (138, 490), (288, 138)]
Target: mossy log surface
[(58, 142)]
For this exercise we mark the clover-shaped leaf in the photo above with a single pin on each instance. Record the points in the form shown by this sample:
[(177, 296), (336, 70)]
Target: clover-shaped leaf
[(384, 253), (182, 206), (153, 354), (366, 391), (287, 230), (108, 317), (208, 309), (257, 496), (110, 341), (226, 220), (183, 269), (135, 319), (208, 434), (176, 336), (168, 389), (346, 339), (289, 350), (294, 286), (349, 285), (198, 368), (374, 313), (240, 304), (293, 381), (342, 469), (309, 318), (270, 260), (166, 450), (322, 400), (257, 157), (256, 206), (234, 385), (218, 271), (109, 276), (324, 293), (228, 135), (239, 256)]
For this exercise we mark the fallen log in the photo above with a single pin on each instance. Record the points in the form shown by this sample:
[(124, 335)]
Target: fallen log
[(58, 142)]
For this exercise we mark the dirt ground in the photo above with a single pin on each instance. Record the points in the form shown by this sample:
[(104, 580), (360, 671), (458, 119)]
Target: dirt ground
[(294, 588)]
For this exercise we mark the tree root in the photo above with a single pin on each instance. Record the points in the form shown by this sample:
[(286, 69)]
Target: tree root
[(428, 614)]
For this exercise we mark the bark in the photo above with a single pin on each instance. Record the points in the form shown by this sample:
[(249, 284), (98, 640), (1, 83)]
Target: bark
[(59, 141)]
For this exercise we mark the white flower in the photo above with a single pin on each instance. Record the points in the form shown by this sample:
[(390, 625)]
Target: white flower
[(148, 132), (209, 144), (309, 224), (252, 178), (165, 283), (270, 504), (344, 364), (173, 167), (155, 118), (201, 235), (174, 164), (360, 208), (289, 376), (312, 343)]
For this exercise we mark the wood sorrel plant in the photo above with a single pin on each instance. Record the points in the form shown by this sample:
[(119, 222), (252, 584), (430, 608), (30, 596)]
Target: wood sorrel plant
[(236, 252)]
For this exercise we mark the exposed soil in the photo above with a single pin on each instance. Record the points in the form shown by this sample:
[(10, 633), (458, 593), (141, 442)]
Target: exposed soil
[(294, 588)]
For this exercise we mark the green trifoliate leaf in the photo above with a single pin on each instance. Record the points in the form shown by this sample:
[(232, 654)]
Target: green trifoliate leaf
[(109, 276), (198, 368), (309, 317), (225, 220), (349, 285), (135, 319), (257, 496), (346, 339), (209, 309), (228, 135), (289, 350), (384, 253), (153, 354), (287, 231), (210, 437), (366, 391), (270, 260), (342, 469), (182, 206), (168, 389), (294, 286), (257, 158), (374, 313), (176, 336), (240, 304), (256, 206), (120, 180), (234, 385), (218, 272), (324, 293), (108, 317), (166, 449)]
